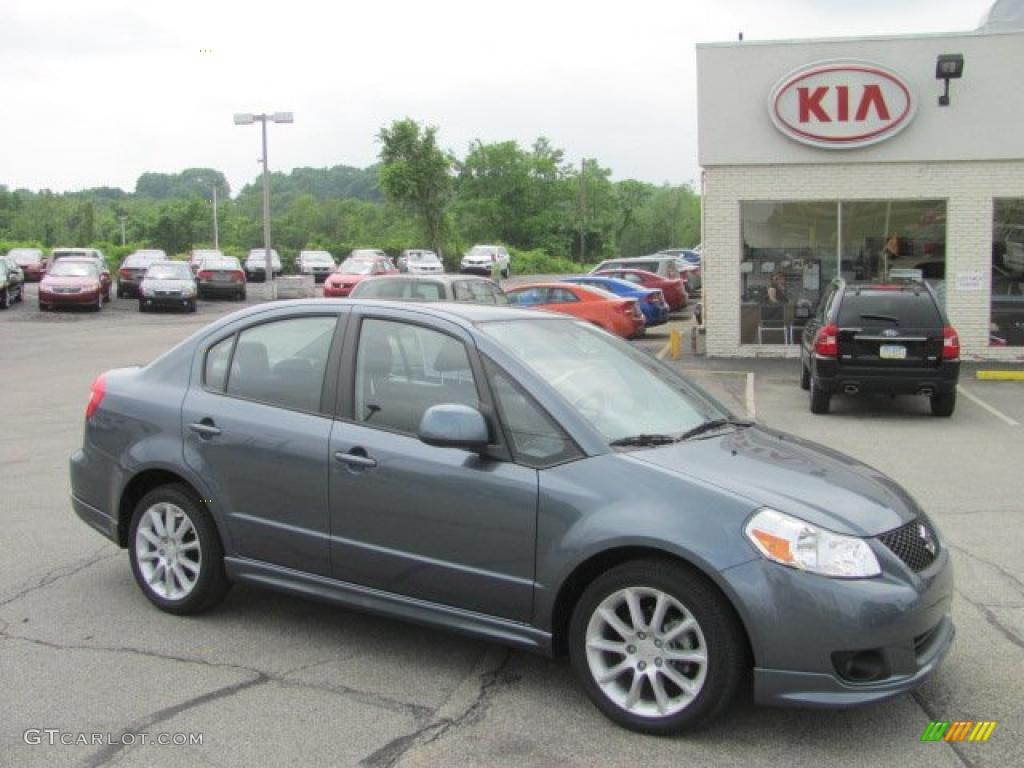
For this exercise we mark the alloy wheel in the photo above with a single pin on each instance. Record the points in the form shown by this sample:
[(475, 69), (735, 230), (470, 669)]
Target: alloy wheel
[(168, 551), (646, 652)]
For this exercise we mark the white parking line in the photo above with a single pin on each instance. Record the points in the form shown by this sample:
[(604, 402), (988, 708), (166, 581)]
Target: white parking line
[(664, 350), (751, 405), (995, 412)]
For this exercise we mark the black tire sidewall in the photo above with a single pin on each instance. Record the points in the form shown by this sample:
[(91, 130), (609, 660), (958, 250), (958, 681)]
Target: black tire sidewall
[(212, 583), (726, 647)]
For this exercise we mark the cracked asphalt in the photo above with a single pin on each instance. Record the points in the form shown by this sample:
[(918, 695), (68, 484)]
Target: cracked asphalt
[(273, 680)]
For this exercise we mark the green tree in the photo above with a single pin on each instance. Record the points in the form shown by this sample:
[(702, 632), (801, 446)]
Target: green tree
[(416, 174)]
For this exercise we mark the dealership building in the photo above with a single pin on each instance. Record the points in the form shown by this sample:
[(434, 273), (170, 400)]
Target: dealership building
[(880, 159)]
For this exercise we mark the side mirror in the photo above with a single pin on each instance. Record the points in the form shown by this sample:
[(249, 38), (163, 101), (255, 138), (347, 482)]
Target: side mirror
[(454, 426)]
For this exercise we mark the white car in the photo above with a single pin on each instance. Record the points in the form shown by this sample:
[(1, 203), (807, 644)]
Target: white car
[(319, 264), (256, 265), (480, 259), (420, 262)]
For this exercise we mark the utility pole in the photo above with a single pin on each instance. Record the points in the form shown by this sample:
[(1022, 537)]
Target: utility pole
[(245, 118), (122, 217), (583, 210), (216, 235)]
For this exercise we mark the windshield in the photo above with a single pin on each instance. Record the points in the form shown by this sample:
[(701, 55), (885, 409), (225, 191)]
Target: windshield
[(142, 259), (221, 264), (73, 269), (259, 253), (621, 392), (422, 256), (356, 267), (366, 253), (317, 257), (409, 290), (200, 255), (169, 272), (482, 250)]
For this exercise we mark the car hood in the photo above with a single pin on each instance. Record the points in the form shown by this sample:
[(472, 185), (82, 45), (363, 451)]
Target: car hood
[(52, 281), (346, 279), (795, 476), (166, 285)]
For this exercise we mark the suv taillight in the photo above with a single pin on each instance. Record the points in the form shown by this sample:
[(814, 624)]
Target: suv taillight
[(238, 277), (96, 393), (950, 343), (826, 342)]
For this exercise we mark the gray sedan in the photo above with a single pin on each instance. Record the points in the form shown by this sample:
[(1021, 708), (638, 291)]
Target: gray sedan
[(168, 284), (523, 478)]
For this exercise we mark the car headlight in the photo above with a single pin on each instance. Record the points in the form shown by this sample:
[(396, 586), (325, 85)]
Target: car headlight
[(798, 544)]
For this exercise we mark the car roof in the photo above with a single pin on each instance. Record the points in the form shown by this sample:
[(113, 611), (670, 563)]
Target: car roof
[(633, 259)]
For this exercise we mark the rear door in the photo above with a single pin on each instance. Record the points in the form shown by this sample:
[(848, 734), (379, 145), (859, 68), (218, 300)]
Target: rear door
[(255, 428), (881, 328)]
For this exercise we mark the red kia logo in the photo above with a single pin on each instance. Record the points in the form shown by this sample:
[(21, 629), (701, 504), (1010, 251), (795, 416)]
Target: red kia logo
[(841, 104)]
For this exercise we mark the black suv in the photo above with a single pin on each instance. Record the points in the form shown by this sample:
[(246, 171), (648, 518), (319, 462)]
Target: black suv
[(871, 337)]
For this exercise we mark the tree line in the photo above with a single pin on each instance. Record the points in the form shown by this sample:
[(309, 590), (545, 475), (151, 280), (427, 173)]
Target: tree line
[(418, 195)]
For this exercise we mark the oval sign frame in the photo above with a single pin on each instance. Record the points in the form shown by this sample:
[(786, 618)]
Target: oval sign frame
[(895, 126)]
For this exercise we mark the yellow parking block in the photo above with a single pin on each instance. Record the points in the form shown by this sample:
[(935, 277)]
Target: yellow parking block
[(1001, 375)]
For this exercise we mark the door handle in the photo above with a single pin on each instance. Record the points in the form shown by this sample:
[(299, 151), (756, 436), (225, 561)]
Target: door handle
[(205, 428), (357, 458)]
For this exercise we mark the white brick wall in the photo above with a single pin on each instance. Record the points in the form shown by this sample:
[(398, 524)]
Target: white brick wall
[(967, 187)]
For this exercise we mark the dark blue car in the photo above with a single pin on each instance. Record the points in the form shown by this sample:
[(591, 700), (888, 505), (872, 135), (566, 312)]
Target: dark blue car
[(651, 300)]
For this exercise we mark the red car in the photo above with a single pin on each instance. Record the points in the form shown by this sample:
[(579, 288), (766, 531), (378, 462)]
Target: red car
[(615, 314), (71, 282), (31, 261), (673, 288), (347, 275)]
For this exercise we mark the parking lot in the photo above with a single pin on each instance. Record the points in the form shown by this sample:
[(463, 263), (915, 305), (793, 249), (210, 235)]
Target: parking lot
[(269, 679)]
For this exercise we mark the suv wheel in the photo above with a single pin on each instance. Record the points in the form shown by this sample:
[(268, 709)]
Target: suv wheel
[(943, 404), (176, 554), (821, 401), (805, 377), (658, 649)]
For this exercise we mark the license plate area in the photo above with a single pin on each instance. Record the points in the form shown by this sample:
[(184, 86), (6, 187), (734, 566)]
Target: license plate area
[(892, 352)]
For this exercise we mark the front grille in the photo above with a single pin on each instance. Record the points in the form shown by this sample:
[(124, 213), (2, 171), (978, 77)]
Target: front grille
[(914, 543)]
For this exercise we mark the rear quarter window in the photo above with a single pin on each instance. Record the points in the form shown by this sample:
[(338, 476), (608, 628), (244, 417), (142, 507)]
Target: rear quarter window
[(911, 310)]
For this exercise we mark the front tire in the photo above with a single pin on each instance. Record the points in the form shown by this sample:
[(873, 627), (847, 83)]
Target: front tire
[(176, 554), (943, 404), (657, 648)]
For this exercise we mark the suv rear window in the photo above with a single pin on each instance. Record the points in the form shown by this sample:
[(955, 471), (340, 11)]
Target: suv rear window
[(911, 309)]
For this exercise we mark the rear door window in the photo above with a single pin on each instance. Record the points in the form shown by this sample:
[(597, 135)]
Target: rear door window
[(898, 308), (282, 362)]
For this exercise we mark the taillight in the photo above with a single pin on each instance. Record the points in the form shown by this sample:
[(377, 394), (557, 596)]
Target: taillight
[(950, 343), (124, 273), (96, 393), (826, 342), (238, 277), (205, 274)]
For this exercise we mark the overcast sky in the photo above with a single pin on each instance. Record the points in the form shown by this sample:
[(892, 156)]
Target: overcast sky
[(95, 93)]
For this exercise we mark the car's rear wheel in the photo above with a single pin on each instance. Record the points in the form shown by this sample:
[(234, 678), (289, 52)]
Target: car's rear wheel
[(657, 648), (943, 404), (176, 555), (821, 401), (142, 306), (99, 303), (5, 298), (805, 377)]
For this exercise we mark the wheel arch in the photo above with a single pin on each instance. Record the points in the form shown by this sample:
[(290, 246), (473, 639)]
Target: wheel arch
[(144, 481), (573, 586)]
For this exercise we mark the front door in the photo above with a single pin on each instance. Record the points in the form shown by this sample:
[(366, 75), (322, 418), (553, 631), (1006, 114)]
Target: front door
[(438, 524)]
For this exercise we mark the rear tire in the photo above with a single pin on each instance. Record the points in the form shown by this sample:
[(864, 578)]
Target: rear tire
[(99, 303), (142, 306), (821, 401), (191, 550), (5, 298), (21, 293), (805, 377), (646, 695), (943, 404)]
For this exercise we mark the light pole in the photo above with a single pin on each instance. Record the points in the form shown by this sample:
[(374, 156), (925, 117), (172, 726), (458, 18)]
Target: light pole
[(216, 234), (247, 118), (123, 218)]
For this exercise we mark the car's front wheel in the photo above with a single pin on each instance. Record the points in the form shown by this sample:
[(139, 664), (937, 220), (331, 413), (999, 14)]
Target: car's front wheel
[(176, 553), (657, 647)]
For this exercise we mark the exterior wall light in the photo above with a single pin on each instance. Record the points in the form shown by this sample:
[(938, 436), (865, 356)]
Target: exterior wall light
[(949, 66)]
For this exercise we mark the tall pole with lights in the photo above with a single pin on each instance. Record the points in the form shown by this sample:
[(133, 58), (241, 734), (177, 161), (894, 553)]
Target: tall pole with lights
[(247, 118)]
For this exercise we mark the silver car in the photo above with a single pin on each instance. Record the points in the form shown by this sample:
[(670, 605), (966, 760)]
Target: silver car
[(168, 284), (420, 262), (319, 264)]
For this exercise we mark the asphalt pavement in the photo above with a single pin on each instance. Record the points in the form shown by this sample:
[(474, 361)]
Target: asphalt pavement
[(270, 680)]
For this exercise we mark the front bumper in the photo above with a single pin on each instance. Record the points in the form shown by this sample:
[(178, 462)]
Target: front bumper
[(179, 302), (476, 269), (337, 291), (831, 376), (218, 288), (82, 298), (803, 627)]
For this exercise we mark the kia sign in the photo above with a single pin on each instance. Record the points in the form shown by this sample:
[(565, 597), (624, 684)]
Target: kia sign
[(841, 104)]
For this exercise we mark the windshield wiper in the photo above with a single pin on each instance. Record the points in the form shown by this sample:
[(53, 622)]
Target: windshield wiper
[(642, 441), (888, 318), (711, 424)]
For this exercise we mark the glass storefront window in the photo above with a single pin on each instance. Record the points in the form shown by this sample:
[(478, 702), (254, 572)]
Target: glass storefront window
[(1007, 308), (792, 251)]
